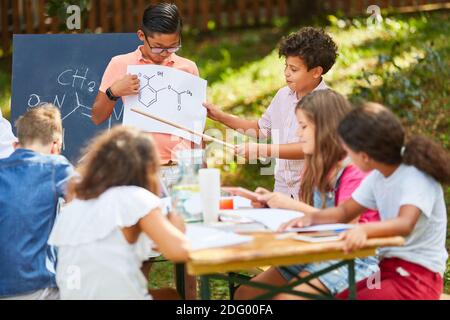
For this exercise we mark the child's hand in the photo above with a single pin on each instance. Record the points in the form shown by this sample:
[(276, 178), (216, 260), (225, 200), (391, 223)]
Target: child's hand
[(177, 221), (213, 111), (355, 239), (260, 204), (262, 191), (277, 200), (128, 85), (248, 150), (301, 222)]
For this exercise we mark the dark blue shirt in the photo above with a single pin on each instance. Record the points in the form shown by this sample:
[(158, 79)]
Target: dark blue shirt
[(31, 185)]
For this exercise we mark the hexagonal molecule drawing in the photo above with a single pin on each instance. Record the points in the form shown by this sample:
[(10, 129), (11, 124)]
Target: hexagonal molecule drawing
[(147, 94)]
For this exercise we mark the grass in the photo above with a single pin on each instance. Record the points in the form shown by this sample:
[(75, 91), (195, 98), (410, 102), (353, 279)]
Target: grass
[(5, 86), (404, 65)]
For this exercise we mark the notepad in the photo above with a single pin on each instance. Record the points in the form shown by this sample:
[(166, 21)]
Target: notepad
[(336, 227), (202, 237)]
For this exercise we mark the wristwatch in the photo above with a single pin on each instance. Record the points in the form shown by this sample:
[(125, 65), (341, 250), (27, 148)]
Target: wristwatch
[(110, 95)]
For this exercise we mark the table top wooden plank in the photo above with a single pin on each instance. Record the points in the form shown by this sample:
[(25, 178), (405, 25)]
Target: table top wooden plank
[(267, 249)]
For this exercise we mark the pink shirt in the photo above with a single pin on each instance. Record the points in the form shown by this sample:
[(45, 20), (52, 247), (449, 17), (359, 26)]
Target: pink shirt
[(166, 144), (279, 123), (350, 180)]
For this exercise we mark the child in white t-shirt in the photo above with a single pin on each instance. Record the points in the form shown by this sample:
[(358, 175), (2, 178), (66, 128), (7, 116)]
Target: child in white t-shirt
[(105, 233), (7, 138), (404, 187)]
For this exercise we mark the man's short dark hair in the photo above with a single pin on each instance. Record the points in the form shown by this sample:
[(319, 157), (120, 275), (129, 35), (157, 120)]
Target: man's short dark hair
[(162, 18), (313, 46)]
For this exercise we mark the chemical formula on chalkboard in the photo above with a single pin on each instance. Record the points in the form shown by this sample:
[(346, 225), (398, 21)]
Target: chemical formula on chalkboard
[(75, 83), (66, 70)]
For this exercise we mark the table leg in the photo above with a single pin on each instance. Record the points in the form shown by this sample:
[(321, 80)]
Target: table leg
[(231, 285), (351, 280), (205, 292), (186, 284), (179, 280)]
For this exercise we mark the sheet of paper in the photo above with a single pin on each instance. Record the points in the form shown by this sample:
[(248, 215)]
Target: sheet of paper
[(324, 227), (170, 94), (231, 226), (202, 237), (241, 202), (271, 218), (224, 216)]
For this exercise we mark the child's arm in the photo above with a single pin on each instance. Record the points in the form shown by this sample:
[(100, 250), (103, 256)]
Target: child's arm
[(344, 213), (251, 151), (282, 201), (402, 225), (249, 127), (170, 240), (176, 220), (103, 106)]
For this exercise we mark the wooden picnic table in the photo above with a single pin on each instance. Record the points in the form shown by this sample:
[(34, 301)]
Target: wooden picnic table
[(268, 249)]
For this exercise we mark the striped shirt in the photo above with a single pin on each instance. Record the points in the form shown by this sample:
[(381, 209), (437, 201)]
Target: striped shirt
[(279, 123)]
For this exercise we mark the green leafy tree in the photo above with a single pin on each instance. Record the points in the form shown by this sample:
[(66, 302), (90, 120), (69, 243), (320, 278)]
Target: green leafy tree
[(58, 8)]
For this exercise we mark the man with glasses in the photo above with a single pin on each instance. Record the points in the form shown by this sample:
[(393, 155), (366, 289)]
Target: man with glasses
[(161, 37)]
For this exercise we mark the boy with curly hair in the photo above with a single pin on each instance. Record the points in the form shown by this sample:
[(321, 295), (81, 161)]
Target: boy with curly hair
[(310, 53)]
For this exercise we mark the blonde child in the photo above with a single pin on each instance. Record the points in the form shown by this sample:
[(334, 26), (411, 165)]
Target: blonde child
[(32, 181), (103, 234)]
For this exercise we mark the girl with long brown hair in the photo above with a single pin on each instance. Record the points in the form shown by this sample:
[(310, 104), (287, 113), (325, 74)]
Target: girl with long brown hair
[(328, 179), (105, 233), (404, 186)]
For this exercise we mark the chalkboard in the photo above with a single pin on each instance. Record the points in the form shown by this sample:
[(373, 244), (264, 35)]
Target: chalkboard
[(66, 70)]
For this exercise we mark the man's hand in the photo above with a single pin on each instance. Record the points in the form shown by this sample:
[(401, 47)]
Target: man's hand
[(127, 86)]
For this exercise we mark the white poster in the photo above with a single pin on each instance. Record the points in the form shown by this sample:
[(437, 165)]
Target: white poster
[(169, 94)]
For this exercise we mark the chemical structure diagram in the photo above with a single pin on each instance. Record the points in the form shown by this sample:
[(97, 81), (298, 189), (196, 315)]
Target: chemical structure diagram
[(148, 95)]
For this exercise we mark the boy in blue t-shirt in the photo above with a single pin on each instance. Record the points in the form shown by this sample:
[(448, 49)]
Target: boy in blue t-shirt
[(32, 180)]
